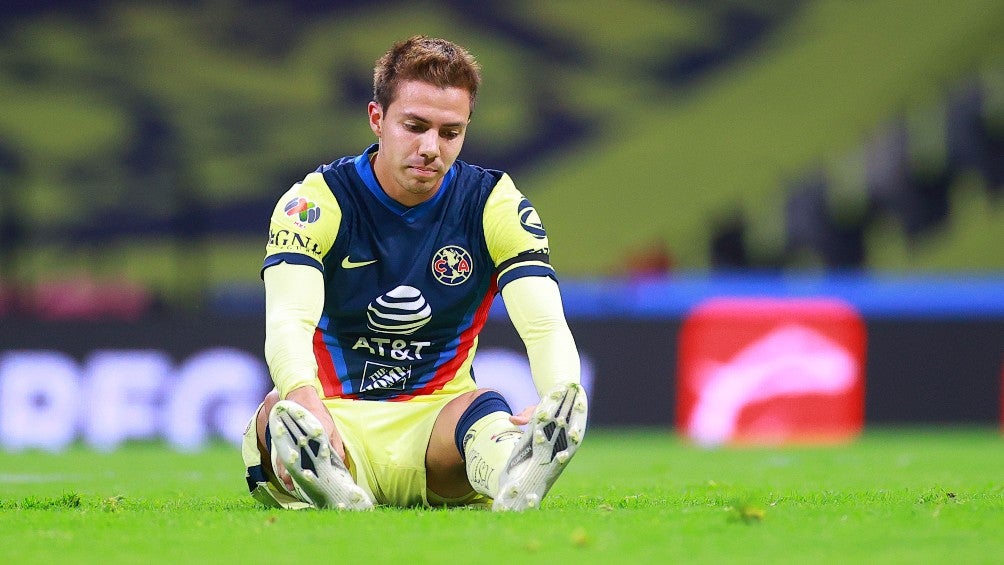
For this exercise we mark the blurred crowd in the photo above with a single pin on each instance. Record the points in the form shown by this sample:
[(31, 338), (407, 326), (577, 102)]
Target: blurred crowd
[(138, 137), (905, 172)]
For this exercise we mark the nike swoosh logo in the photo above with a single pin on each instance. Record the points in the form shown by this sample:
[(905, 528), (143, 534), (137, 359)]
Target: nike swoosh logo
[(348, 264)]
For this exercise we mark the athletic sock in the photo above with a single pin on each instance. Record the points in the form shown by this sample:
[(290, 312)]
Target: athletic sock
[(488, 444)]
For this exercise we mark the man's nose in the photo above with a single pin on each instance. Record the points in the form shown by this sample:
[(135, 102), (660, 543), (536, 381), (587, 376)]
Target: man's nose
[(428, 145)]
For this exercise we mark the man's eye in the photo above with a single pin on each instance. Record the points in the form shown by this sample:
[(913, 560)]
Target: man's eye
[(450, 134)]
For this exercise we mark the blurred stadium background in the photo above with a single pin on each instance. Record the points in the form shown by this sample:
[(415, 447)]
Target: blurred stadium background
[(676, 150)]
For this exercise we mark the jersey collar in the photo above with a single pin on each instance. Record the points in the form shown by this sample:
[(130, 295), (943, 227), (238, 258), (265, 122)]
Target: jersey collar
[(409, 214)]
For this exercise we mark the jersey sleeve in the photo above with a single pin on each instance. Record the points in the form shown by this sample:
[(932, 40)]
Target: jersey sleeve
[(294, 297), (515, 235), (534, 306), (304, 224)]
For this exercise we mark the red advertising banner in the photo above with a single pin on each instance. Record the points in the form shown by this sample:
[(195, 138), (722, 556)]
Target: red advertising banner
[(771, 371)]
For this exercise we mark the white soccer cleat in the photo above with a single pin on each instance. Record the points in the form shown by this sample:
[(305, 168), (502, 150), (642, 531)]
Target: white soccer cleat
[(555, 432), (302, 447)]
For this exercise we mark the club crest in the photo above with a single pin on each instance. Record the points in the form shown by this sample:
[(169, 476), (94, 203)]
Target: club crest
[(452, 265)]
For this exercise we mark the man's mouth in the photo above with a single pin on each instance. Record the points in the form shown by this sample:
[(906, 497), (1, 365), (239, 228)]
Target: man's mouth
[(425, 171)]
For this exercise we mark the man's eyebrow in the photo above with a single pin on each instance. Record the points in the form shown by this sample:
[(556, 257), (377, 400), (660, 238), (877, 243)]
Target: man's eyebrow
[(416, 117)]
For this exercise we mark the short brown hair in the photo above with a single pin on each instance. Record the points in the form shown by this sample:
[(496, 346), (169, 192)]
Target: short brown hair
[(436, 61)]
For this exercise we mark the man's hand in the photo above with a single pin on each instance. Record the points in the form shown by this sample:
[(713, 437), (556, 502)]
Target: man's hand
[(523, 418), (307, 397)]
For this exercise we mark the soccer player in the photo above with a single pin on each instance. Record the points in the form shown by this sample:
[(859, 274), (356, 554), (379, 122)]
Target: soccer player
[(379, 273)]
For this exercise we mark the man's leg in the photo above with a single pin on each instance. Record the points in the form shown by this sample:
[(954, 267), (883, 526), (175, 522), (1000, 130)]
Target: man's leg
[(260, 476), (471, 440), (475, 444), (291, 437), (445, 474), (552, 437), (304, 449)]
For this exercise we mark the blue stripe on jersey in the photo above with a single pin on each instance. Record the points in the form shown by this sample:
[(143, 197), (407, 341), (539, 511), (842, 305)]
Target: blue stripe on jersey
[(292, 259), (451, 351), (335, 351), (526, 271), (410, 214)]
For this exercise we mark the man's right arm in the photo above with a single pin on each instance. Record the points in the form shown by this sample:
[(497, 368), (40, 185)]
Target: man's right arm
[(302, 229), (294, 297)]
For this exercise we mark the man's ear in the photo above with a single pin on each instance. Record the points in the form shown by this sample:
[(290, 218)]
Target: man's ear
[(375, 118)]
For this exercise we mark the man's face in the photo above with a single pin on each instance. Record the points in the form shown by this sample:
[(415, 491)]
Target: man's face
[(420, 133)]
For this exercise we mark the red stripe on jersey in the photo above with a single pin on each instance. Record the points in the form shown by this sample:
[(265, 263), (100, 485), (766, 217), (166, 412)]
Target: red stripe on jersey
[(447, 371), (326, 372)]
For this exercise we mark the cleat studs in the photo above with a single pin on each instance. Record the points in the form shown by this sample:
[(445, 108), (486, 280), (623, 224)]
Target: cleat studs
[(562, 457)]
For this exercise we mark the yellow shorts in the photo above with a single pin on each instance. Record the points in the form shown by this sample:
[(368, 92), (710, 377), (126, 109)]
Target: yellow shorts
[(385, 444)]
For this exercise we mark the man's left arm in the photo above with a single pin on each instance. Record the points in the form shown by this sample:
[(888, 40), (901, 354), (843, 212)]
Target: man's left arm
[(519, 247), (534, 306)]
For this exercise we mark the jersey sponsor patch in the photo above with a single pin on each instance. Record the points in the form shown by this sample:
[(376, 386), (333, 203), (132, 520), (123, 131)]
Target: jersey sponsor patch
[(529, 219), (301, 209), (452, 265), (286, 240), (401, 311), (384, 377)]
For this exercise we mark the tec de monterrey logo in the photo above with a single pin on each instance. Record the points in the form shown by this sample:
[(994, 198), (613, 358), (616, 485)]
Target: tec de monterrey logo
[(529, 219)]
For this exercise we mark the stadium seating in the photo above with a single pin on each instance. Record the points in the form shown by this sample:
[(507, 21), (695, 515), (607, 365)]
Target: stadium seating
[(688, 136)]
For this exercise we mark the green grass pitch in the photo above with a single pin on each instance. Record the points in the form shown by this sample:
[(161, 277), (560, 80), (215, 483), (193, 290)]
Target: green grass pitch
[(629, 496)]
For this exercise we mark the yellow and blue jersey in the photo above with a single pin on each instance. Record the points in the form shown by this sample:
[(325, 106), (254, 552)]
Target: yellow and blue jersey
[(407, 289)]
